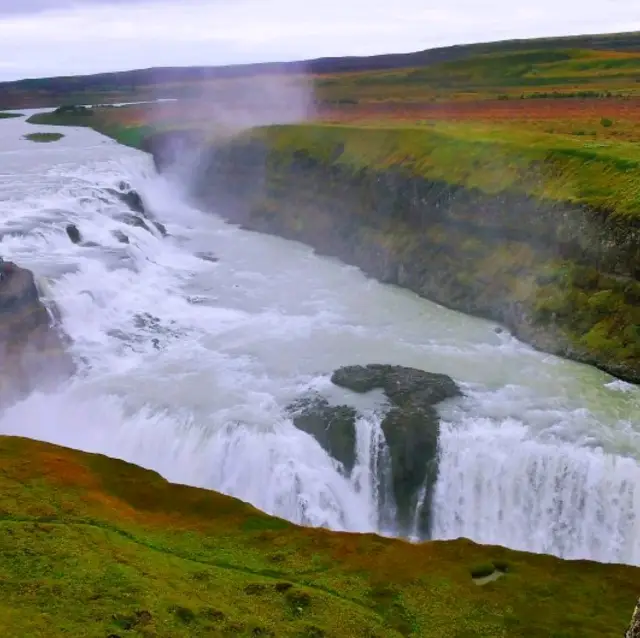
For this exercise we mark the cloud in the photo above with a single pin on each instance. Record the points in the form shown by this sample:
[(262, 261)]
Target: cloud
[(38, 6), (53, 37)]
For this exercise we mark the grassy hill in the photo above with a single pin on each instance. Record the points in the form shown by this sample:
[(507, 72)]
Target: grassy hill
[(92, 546), (144, 84)]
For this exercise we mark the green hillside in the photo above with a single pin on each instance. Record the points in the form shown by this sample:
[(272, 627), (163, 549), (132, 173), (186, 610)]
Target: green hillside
[(97, 547)]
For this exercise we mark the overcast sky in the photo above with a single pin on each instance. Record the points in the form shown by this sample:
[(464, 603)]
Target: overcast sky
[(58, 37)]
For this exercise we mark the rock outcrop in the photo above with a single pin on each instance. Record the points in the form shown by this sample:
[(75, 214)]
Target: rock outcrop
[(333, 426), (135, 203), (120, 236), (411, 429), (73, 233), (32, 350), (133, 200)]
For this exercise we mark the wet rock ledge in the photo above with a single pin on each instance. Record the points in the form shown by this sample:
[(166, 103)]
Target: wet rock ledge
[(32, 348), (411, 429)]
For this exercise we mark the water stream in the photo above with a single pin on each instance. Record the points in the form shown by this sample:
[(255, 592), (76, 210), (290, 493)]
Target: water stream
[(187, 367)]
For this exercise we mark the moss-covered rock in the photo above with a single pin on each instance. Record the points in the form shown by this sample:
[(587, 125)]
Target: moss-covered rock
[(44, 138), (91, 546), (332, 426), (404, 386), (411, 429)]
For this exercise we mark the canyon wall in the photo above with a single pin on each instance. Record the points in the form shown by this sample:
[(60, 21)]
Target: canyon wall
[(561, 275)]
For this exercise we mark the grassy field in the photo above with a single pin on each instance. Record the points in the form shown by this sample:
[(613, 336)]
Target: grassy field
[(541, 74), (171, 82), (483, 120), (96, 547)]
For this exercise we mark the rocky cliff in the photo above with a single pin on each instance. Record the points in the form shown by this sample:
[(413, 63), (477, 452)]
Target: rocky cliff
[(562, 275), (32, 352)]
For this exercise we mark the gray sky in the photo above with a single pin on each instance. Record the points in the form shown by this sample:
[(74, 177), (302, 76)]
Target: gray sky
[(59, 37)]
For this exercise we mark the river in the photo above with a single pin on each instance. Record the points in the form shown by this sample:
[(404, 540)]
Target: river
[(186, 367)]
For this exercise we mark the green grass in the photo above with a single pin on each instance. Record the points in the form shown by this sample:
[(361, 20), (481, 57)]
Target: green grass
[(6, 116), (490, 158), (569, 71), (43, 138), (91, 546)]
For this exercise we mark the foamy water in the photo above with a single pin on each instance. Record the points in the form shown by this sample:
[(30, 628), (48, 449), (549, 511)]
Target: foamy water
[(187, 367)]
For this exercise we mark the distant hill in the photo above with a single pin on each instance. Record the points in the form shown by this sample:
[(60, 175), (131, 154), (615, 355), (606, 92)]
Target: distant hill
[(126, 84)]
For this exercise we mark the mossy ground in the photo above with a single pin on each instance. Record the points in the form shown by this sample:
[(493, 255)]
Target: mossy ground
[(96, 547)]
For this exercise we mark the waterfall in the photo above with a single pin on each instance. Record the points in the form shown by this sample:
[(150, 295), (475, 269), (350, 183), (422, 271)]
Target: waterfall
[(498, 486)]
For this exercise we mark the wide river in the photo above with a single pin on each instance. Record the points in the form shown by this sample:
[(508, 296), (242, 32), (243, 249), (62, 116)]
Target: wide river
[(187, 367)]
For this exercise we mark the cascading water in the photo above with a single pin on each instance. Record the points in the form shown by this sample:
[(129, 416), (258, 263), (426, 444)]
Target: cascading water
[(188, 366), (500, 487)]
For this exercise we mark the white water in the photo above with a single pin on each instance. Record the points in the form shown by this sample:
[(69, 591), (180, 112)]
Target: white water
[(542, 454)]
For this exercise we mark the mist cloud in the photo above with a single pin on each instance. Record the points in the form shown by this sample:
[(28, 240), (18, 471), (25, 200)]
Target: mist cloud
[(64, 37)]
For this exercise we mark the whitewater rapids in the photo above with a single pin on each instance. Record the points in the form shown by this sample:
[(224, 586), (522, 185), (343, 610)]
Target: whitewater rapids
[(186, 366)]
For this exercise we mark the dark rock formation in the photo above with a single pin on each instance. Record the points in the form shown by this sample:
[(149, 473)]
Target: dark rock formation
[(634, 626), (333, 426), (133, 220), (131, 198), (32, 352), (402, 385), (75, 236), (120, 236), (73, 233), (208, 257), (411, 428), (144, 220), (161, 228)]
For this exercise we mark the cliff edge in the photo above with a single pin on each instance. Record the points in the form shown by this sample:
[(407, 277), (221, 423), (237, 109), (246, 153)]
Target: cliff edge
[(93, 546)]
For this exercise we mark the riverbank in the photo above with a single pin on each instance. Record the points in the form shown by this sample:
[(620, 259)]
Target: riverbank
[(540, 233), (544, 241), (107, 548)]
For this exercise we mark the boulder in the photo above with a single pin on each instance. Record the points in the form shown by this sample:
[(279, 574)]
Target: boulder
[(130, 197), (402, 385), (161, 228), (133, 220), (32, 350), (333, 426), (411, 428), (73, 233), (208, 257), (76, 237), (120, 236), (140, 222)]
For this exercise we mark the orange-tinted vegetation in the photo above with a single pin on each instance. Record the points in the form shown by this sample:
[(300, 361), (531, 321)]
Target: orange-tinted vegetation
[(487, 110), (92, 546)]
